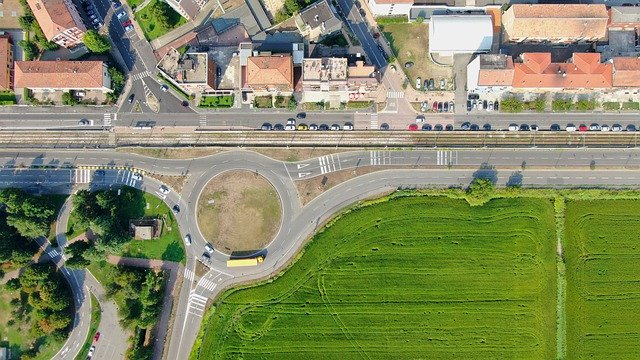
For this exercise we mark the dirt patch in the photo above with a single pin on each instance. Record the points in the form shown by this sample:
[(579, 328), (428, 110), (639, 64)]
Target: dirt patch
[(174, 182), (297, 154), (201, 269), (172, 153), (312, 188), (239, 211)]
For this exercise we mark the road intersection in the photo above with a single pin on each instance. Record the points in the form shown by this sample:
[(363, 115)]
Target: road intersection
[(62, 171)]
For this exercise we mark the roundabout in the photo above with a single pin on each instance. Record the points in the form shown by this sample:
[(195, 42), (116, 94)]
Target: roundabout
[(239, 211)]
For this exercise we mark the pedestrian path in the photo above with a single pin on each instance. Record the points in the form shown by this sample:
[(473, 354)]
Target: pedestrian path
[(140, 75), (107, 119), (446, 157), (82, 176), (329, 163), (395, 94), (196, 304), (382, 157)]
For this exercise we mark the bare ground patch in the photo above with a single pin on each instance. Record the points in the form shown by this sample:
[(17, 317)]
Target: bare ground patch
[(239, 211), (172, 153), (312, 188), (297, 154)]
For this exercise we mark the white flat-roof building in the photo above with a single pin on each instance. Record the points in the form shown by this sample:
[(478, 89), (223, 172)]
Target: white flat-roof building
[(460, 34)]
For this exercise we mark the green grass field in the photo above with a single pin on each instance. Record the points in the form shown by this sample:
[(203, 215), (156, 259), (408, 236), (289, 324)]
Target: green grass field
[(603, 270), (410, 278), (148, 22)]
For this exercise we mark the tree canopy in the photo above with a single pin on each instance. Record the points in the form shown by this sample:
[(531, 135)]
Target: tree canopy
[(95, 42), (30, 215)]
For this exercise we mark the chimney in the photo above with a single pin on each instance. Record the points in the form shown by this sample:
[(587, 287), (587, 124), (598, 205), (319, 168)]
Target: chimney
[(316, 18)]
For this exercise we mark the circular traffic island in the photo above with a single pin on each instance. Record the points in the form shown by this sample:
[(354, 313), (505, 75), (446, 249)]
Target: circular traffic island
[(239, 211)]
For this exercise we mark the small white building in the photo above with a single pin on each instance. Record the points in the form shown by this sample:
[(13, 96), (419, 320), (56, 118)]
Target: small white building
[(460, 34), (390, 7)]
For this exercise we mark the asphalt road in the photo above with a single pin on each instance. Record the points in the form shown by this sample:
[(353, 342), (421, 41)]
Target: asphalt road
[(439, 168)]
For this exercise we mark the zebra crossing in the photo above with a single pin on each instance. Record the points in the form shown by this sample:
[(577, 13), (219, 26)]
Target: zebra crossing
[(203, 119), (446, 157), (329, 163), (107, 119), (380, 157), (395, 95), (189, 275), (141, 75), (374, 121), (53, 253), (82, 176), (196, 304), (127, 178), (207, 284)]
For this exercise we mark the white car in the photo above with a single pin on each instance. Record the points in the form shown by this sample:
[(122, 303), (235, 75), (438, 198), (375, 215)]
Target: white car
[(313, 127), (290, 127), (335, 127), (136, 176), (187, 239), (513, 127), (209, 248), (164, 189), (291, 122), (164, 87), (128, 28), (604, 128), (91, 351), (121, 14), (570, 128), (347, 126), (420, 119), (418, 82)]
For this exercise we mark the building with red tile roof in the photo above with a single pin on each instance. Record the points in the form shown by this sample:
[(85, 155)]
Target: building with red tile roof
[(6, 63), (62, 75), (585, 71), (59, 20), (626, 72), (272, 73)]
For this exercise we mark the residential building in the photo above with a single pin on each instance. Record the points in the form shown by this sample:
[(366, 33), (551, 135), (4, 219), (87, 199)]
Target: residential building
[(626, 72), (6, 63), (624, 17), (490, 73), (10, 12), (555, 23), (188, 9), (458, 34), (49, 76), (361, 79), (59, 20), (325, 80), (268, 73), (192, 72), (390, 7), (317, 21)]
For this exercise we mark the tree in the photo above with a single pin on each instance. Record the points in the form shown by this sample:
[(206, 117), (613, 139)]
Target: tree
[(160, 11), (480, 191), (68, 99), (29, 48), (13, 284), (117, 79), (26, 22), (77, 250), (95, 42)]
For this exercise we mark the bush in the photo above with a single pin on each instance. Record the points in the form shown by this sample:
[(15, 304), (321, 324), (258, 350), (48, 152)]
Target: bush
[(631, 105), (611, 106), (29, 48), (480, 191), (586, 105), (511, 105), (68, 99), (419, 20), (216, 101), (95, 42), (562, 105), (384, 20)]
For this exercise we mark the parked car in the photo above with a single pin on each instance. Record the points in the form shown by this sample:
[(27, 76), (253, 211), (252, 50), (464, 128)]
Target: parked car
[(555, 127), (469, 105), (136, 176), (323, 127), (301, 115), (420, 119), (449, 127), (303, 127), (291, 121), (435, 106), (438, 127), (445, 107), (534, 127), (96, 337), (266, 127), (126, 23), (412, 127), (473, 96), (128, 28), (479, 105), (91, 351), (335, 127), (427, 127), (570, 128), (347, 126), (418, 82), (121, 14), (187, 239), (583, 127), (313, 127), (465, 126), (278, 127), (290, 127), (474, 127), (440, 107), (432, 84), (604, 127), (616, 127), (443, 84), (631, 127), (451, 106), (486, 127), (209, 248), (594, 127), (116, 4), (485, 104), (490, 106), (513, 127), (384, 126), (495, 105)]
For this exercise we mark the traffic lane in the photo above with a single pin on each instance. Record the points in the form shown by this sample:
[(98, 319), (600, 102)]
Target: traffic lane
[(113, 340), (500, 121), (361, 29), (81, 321), (48, 121), (138, 96), (169, 103)]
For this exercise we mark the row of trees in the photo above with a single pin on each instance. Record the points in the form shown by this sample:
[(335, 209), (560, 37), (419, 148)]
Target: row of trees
[(37, 42)]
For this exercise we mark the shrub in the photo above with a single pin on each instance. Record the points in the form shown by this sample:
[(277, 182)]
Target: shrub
[(562, 105), (384, 20), (586, 105), (419, 20), (511, 105), (611, 106)]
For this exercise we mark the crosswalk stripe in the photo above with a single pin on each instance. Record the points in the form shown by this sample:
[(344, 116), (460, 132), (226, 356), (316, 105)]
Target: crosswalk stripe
[(107, 119), (395, 94), (444, 157), (203, 120), (207, 284), (82, 176), (374, 121), (189, 275)]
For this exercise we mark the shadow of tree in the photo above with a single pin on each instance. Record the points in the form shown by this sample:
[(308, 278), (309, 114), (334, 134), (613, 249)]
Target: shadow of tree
[(173, 252), (515, 179), (486, 171)]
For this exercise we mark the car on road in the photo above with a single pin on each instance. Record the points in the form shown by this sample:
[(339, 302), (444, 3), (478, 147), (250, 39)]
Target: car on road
[(420, 119), (187, 239), (323, 127), (91, 351), (84, 122), (209, 248), (412, 127), (164, 87), (266, 127), (604, 127), (291, 122), (465, 126), (128, 28), (616, 127), (583, 127), (438, 127), (175, 209), (427, 127), (335, 127), (131, 98), (418, 82), (96, 337), (206, 257), (555, 127), (301, 115), (164, 189), (347, 126), (136, 176), (594, 127), (121, 14), (290, 127), (570, 128), (513, 127), (631, 127), (303, 127), (384, 126), (313, 127), (278, 127)]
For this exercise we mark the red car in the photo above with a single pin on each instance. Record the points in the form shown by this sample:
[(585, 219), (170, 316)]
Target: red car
[(583, 127), (413, 127), (435, 106), (126, 23), (96, 337)]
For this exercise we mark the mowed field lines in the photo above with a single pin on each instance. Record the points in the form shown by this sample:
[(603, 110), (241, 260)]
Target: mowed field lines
[(603, 279), (408, 278)]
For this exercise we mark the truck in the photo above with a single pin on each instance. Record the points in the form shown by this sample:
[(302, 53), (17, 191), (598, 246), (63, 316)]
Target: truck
[(245, 262)]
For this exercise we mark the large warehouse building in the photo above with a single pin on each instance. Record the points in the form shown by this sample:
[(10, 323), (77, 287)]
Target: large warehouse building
[(460, 34)]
